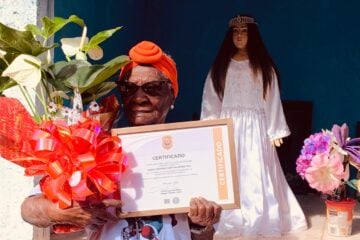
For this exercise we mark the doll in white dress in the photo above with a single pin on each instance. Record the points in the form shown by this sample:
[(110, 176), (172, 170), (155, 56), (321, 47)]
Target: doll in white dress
[(243, 85)]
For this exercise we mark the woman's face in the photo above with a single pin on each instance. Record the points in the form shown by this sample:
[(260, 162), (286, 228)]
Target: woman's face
[(147, 97), (240, 36)]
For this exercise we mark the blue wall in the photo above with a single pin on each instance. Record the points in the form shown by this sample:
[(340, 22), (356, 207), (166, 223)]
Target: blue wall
[(316, 45)]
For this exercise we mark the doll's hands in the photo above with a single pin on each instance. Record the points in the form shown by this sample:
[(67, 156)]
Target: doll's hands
[(277, 142)]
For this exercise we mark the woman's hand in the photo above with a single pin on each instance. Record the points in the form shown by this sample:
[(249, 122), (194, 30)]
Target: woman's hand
[(83, 214), (41, 212), (204, 212)]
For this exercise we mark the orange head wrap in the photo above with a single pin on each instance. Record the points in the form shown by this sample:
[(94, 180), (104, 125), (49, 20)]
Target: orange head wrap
[(148, 53)]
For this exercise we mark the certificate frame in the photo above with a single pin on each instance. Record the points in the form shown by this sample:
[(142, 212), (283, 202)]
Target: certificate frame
[(147, 182)]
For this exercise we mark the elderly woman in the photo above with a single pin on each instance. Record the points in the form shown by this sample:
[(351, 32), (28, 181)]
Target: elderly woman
[(148, 87)]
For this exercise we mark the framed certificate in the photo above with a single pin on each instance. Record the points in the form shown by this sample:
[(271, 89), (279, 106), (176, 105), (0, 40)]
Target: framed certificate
[(168, 164)]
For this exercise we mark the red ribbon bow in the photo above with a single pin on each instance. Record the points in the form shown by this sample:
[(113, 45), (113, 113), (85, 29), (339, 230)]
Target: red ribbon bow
[(78, 160)]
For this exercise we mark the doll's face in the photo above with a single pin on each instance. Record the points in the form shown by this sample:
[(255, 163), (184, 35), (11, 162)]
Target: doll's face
[(240, 36)]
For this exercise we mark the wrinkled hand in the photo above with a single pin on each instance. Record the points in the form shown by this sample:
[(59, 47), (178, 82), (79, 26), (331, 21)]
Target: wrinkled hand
[(204, 212), (93, 214), (277, 142)]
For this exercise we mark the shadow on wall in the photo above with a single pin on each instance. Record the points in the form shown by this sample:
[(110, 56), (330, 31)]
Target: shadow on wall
[(299, 119)]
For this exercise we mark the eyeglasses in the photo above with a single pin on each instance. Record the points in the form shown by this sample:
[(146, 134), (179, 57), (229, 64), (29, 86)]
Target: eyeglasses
[(154, 88)]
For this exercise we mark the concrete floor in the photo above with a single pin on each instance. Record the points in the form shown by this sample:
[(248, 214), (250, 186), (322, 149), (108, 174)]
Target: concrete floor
[(315, 211), (314, 208)]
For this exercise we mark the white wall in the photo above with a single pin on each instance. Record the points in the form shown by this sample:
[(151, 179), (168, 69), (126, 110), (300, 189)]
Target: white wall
[(14, 186)]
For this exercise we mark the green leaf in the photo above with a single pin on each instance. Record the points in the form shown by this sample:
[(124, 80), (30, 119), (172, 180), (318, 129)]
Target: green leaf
[(77, 20), (82, 78), (99, 38), (97, 92), (5, 83), (35, 30), (83, 75), (3, 65), (352, 183), (59, 81), (63, 71), (16, 42), (53, 25), (58, 67), (108, 70)]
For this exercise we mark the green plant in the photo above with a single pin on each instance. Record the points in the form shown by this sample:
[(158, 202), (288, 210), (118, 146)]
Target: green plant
[(26, 62)]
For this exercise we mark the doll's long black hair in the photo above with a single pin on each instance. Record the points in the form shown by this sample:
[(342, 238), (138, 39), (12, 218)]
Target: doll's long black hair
[(259, 59)]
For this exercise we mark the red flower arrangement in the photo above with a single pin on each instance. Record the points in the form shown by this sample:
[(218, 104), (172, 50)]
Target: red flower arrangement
[(71, 149), (77, 162)]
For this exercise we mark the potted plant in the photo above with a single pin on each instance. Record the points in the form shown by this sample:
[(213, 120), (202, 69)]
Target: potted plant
[(324, 163), (26, 63), (60, 140)]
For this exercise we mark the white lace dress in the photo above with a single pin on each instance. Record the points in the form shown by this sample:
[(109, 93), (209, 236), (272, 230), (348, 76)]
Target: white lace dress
[(268, 206)]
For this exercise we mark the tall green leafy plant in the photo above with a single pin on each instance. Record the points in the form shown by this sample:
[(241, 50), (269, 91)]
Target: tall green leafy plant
[(25, 62)]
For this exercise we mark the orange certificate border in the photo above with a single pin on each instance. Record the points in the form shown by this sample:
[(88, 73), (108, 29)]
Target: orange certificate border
[(221, 162)]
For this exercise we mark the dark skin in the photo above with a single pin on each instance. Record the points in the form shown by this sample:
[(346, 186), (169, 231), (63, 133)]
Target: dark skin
[(143, 109), (41, 212), (140, 109)]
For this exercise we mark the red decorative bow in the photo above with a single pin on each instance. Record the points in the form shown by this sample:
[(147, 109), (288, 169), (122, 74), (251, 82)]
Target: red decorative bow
[(78, 160)]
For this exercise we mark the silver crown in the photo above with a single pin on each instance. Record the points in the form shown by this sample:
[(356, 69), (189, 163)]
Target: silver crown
[(236, 21)]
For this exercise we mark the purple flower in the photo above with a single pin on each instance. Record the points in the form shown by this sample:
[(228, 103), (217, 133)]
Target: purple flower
[(352, 147), (341, 133), (324, 159), (316, 143)]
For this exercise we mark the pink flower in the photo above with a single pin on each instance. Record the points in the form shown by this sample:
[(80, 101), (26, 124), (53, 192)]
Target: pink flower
[(326, 172), (302, 164)]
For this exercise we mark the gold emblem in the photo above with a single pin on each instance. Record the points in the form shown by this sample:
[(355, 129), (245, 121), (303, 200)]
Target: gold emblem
[(167, 142)]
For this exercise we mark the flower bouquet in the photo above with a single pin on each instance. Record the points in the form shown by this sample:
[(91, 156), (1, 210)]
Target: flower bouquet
[(324, 163), (68, 146)]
